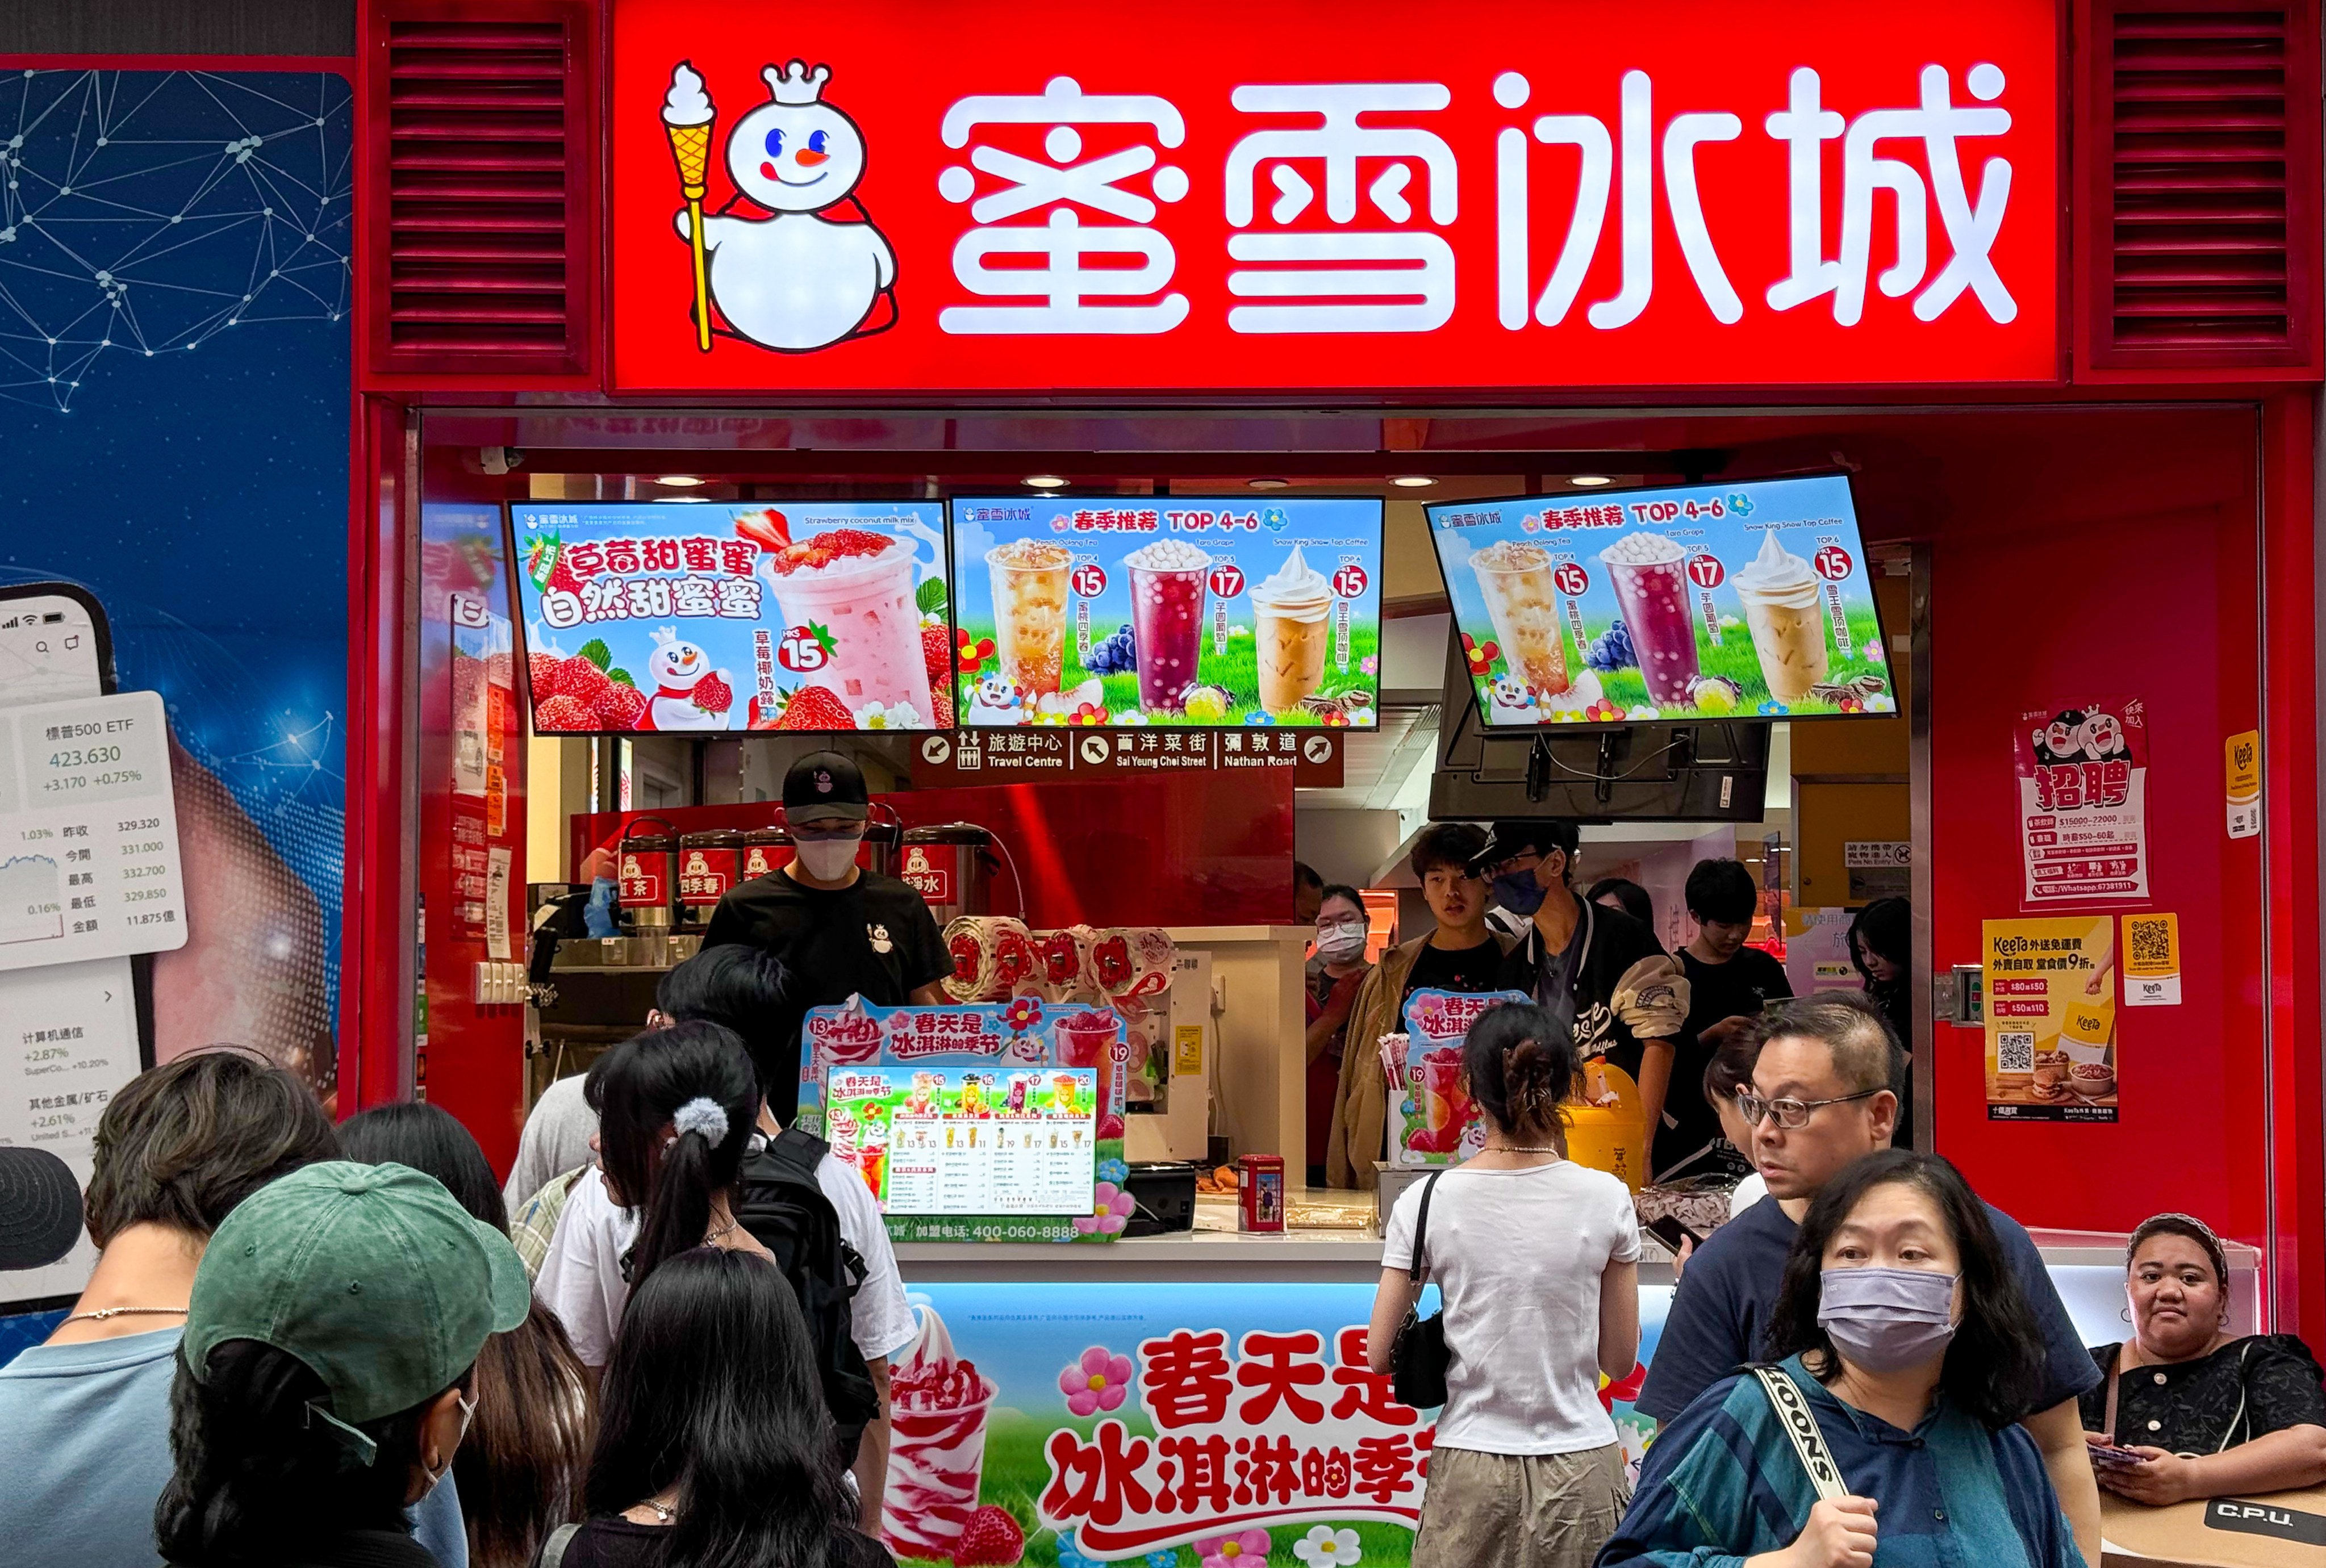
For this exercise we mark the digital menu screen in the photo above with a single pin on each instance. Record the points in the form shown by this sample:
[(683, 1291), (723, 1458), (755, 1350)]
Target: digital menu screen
[(795, 614), (949, 1140), (1698, 601), (1167, 609)]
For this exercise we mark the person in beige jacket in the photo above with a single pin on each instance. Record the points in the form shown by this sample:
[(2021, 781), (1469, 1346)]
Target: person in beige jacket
[(1463, 953)]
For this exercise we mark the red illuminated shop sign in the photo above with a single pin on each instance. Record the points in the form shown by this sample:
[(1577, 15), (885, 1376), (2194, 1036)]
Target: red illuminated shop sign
[(916, 195)]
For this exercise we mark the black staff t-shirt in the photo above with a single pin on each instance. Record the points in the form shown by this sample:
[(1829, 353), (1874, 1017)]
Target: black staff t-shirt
[(874, 938), (1690, 1142), (1470, 968)]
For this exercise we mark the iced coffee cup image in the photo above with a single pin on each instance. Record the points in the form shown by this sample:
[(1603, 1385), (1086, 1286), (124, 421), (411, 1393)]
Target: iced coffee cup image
[(1030, 612), (1786, 618), (859, 585), (1292, 614), (1515, 579), (938, 1407), (1649, 574), (1166, 619)]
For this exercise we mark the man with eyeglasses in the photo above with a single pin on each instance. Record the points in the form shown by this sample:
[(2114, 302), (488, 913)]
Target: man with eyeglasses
[(1824, 1093), (841, 931)]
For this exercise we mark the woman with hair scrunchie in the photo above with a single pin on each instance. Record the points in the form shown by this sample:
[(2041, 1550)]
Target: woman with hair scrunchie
[(1536, 1261)]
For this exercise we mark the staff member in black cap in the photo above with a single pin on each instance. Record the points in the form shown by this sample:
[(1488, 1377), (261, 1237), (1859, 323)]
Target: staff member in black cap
[(839, 930), (1594, 969)]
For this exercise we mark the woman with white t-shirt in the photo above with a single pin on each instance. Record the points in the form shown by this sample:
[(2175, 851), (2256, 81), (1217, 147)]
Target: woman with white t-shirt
[(1537, 1260)]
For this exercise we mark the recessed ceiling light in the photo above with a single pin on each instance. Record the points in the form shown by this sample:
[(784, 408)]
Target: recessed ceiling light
[(679, 481), (1588, 480), (1046, 481), (1412, 481), (1268, 484)]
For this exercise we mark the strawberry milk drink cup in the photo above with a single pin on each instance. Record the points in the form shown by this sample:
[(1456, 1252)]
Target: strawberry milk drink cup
[(1291, 623), (1652, 585), (1166, 619), (1444, 1102), (1515, 579), (1787, 619), (1087, 1039), (937, 1408), (859, 585), (1030, 612)]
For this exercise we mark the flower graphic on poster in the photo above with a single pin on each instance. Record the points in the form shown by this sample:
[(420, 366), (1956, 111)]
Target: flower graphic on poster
[(1325, 1547), (1100, 1380), (1113, 1211), (1022, 1014), (1241, 1549)]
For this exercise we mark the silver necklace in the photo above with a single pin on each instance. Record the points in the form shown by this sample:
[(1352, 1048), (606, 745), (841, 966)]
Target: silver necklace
[(102, 1313), (1516, 1149)]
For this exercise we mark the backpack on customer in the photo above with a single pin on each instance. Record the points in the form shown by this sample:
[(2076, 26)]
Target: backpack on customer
[(783, 1206)]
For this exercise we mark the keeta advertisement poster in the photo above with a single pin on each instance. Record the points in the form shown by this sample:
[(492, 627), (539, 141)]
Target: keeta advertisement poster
[(1706, 601), (2083, 802), (811, 615), (2050, 1019), (1169, 609)]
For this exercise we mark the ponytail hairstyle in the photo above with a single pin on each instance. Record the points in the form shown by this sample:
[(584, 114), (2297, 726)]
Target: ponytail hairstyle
[(1522, 1068), (675, 1108)]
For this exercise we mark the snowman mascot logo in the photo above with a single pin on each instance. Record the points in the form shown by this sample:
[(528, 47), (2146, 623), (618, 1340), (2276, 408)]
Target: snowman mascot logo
[(813, 271), (688, 694)]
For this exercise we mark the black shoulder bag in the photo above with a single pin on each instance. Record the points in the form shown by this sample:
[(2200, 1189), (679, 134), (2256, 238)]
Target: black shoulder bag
[(1418, 1356)]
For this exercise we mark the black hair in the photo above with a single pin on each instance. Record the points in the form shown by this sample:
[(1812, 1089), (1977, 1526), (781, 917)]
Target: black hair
[(1630, 896), (1341, 890), (183, 1143), (1446, 846), (668, 1174), (519, 1468), (712, 1390), (748, 990), (1542, 835), (1887, 924), (1731, 1067), (1865, 1050), (1522, 1068), (2189, 1228), (1722, 891), (256, 1478), (430, 1140), (1995, 1366), (1304, 875)]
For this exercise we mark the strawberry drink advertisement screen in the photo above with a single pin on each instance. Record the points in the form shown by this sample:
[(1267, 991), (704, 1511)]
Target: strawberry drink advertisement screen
[(799, 615), (1702, 601), (1167, 609)]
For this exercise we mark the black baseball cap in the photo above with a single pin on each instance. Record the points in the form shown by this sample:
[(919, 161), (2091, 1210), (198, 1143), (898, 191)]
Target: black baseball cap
[(40, 1208), (1517, 835), (823, 784)]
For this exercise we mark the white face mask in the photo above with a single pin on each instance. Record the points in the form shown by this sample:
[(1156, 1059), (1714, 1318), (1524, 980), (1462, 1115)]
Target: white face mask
[(1341, 941), (436, 1477), (827, 859)]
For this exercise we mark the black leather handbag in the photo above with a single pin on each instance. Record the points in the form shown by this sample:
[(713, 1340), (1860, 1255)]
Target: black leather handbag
[(1418, 1356)]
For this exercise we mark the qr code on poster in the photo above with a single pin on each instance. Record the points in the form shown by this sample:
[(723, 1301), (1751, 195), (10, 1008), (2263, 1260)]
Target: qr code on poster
[(2015, 1050), (2151, 941)]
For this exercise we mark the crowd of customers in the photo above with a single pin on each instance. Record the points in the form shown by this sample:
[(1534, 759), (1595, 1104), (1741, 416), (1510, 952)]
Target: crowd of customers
[(664, 1343)]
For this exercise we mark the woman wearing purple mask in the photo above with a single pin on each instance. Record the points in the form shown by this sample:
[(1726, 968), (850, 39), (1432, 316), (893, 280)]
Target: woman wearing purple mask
[(1886, 1430)]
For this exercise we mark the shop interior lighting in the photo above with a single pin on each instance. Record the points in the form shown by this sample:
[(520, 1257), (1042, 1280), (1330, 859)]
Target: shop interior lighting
[(1412, 481), (1046, 482), (679, 481), (1588, 481), (1268, 484)]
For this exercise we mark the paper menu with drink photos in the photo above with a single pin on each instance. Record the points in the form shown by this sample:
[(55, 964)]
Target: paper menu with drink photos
[(1001, 1044), (1167, 609), (648, 617), (969, 1141), (1701, 601), (1434, 1119), (2050, 1018)]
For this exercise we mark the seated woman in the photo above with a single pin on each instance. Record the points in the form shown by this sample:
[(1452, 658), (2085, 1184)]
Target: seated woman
[(2209, 1415), (1905, 1338)]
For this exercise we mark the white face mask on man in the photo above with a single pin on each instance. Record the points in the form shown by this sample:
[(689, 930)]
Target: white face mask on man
[(826, 859)]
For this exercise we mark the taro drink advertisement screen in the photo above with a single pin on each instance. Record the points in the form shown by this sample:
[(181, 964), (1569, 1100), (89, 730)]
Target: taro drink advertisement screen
[(1167, 609), (795, 614), (1701, 601)]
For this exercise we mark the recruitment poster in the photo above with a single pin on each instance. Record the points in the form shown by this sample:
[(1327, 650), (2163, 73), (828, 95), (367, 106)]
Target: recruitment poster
[(2050, 1019), (2083, 803)]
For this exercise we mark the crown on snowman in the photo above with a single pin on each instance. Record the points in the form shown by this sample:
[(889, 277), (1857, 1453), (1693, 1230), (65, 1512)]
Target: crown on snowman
[(794, 83)]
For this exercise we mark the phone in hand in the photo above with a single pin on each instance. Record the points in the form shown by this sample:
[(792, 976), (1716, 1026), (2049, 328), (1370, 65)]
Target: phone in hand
[(1672, 1232), (2112, 1457)]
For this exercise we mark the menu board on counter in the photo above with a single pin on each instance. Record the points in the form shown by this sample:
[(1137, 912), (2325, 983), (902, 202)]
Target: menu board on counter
[(1167, 609), (930, 1140), (1702, 601), (808, 615)]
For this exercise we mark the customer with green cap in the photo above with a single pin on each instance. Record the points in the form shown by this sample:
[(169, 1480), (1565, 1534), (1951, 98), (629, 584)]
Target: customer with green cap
[(323, 1381)]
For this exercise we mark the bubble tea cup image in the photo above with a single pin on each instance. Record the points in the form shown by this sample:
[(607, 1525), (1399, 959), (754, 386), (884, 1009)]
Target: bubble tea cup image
[(1516, 580), (1651, 578), (1166, 619), (1030, 612), (1782, 608), (1291, 623)]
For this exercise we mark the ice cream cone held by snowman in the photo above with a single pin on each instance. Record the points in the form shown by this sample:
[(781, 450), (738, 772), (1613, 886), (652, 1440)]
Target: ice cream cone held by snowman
[(813, 271)]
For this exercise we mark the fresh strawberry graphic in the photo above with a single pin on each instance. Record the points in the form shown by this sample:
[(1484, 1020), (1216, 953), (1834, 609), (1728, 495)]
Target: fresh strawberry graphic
[(582, 681), (621, 707), (937, 654), (941, 706), (816, 708), (541, 671), (769, 530), (713, 695), (564, 713), (991, 1539)]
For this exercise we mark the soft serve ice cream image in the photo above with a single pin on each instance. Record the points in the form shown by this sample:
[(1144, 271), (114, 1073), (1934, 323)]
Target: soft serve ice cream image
[(1779, 593), (1292, 614), (938, 1404)]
